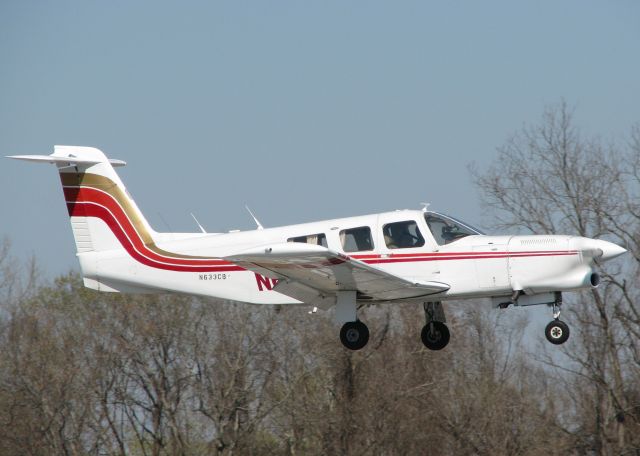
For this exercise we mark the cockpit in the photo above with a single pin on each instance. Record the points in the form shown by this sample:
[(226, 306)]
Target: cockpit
[(446, 229)]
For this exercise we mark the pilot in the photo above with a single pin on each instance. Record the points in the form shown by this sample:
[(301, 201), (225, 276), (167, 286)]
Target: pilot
[(406, 239), (451, 233), (389, 240)]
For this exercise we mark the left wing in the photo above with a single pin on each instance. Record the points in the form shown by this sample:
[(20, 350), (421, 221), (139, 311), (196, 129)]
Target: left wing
[(307, 270)]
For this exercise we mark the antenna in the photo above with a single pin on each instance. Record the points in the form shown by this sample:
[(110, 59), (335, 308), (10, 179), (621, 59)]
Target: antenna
[(260, 227), (425, 206), (165, 222), (198, 223)]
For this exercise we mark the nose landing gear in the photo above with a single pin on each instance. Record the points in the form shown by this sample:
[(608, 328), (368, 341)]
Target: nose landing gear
[(557, 331)]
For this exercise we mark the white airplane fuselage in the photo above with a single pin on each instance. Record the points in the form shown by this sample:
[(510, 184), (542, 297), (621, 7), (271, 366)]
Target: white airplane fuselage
[(475, 266), (399, 256)]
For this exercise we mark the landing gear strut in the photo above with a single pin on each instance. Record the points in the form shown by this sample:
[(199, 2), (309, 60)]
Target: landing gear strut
[(557, 331), (354, 334), (435, 334)]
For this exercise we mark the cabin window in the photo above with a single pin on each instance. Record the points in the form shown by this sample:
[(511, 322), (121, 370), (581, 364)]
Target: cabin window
[(446, 229), (356, 239), (315, 239), (402, 235)]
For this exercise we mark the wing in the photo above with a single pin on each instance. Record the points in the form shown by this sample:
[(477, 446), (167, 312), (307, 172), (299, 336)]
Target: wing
[(307, 272)]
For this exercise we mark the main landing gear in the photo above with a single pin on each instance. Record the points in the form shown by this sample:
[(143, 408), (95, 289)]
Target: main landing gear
[(354, 334), (557, 331), (435, 333)]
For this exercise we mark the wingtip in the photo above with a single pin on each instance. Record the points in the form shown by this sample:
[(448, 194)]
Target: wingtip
[(115, 162)]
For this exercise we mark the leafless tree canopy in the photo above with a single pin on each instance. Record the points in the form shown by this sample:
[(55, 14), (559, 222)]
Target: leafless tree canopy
[(549, 178), (107, 374)]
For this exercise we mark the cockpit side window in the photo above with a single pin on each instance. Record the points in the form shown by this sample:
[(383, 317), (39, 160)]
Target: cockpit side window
[(446, 230), (402, 235), (356, 239)]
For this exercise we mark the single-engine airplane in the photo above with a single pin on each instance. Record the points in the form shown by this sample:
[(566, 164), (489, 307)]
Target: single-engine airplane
[(402, 256)]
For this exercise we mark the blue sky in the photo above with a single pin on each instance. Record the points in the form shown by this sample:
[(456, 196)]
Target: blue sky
[(302, 110)]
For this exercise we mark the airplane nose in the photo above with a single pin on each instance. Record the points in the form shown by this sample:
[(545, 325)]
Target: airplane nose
[(597, 248), (610, 250)]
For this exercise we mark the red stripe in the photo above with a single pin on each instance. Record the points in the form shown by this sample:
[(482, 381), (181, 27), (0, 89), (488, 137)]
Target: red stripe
[(89, 195), (463, 257), (89, 202), (483, 254), (82, 209)]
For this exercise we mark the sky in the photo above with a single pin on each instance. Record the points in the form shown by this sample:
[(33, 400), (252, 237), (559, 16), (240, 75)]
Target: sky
[(302, 110)]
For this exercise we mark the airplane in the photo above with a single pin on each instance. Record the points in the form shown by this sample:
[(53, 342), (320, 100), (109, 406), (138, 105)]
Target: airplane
[(416, 256)]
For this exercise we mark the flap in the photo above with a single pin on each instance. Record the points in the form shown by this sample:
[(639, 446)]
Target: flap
[(327, 272), (303, 293)]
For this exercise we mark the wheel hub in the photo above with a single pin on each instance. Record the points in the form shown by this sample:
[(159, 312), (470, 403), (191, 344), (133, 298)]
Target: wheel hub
[(434, 336), (353, 335)]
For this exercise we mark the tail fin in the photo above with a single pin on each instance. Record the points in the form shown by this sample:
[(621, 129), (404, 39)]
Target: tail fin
[(104, 218), (95, 194)]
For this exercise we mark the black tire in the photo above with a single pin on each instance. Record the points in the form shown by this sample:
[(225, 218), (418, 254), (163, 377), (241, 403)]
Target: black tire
[(557, 332), (354, 335), (435, 335)]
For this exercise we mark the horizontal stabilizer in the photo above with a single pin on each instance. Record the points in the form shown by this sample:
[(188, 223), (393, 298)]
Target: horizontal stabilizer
[(70, 159), (71, 155)]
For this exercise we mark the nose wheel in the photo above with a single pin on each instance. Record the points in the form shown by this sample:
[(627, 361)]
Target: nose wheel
[(557, 331)]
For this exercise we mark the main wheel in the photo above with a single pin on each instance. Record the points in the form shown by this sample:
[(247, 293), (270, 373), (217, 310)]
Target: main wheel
[(435, 335), (354, 335), (557, 332)]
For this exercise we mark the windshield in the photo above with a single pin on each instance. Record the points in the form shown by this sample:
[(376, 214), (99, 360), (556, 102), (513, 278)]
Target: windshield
[(446, 229)]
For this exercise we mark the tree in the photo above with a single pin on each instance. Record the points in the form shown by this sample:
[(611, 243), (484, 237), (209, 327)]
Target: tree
[(549, 178)]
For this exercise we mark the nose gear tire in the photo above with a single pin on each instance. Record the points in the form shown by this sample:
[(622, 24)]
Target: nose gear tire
[(557, 332)]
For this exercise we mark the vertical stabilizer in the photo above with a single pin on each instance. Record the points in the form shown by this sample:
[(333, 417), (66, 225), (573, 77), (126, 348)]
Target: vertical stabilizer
[(96, 199), (115, 245), (103, 215)]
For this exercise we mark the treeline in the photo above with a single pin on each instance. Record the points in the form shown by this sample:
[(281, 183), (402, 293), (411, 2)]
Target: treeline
[(106, 374), (89, 373)]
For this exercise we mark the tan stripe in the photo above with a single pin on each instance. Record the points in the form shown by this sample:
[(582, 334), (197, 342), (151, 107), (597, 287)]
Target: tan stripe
[(108, 186)]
